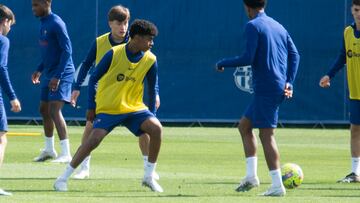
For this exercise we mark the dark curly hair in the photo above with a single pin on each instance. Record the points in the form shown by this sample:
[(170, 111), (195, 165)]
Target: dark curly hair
[(356, 2), (255, 3), (143, 27)]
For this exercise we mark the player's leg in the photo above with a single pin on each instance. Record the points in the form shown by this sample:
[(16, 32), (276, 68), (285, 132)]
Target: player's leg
[(95, 138), (3, 140), (267, 119), (84, 171), (57, 100), (61, 128), (272, 157), (144, 141), (3, 143), (153, 128), (354, 176), (49, 151), (249, 140)]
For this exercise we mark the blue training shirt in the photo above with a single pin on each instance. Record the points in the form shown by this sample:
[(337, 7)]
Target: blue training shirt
[(103, 67), (90, 59), (55, 49), (271, 53), (5, 83)]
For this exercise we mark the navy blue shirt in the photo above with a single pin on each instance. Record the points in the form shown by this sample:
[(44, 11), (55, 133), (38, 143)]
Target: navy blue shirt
[(55, 49), (271, 53), (5, 83), (90, 59), (103, 67)]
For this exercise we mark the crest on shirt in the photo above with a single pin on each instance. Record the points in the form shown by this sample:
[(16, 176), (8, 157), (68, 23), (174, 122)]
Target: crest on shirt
[(243, 79), (87, 78)]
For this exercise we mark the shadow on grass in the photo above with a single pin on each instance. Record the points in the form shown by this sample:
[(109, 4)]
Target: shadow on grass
[(146, 196), (218, 183), (36, 191), (20, 178)]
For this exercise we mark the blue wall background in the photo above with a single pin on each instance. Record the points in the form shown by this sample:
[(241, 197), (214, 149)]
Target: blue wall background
[(194, 34)]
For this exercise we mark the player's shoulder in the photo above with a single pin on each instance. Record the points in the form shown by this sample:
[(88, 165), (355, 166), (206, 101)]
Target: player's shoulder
[(4, 41), (105, 35), (57, 20), (151, 55)]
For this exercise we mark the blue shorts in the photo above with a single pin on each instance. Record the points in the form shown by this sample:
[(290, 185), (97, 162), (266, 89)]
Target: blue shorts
[(3, 120), (354, 111), (131, 121), (263, 111), (63, 93)]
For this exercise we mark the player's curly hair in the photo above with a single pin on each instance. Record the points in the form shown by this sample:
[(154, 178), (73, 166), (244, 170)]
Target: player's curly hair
[(143, 27), (119, 13), (6, 13), (48, 1), (255, 3), (356, 2)]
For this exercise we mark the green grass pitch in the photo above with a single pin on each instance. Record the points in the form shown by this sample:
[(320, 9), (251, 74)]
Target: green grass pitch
[(195, 165)]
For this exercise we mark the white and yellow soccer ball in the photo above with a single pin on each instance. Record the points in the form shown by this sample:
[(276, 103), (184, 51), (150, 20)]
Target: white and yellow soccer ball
[(292, 175)]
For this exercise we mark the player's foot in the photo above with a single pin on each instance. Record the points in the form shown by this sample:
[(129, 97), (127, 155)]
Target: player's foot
[(82, 174), (351, 178), (275, 191), (247, 184), (156, 176), (60, 185), (62, 159), (45, 155), (4, 193), (151, 183)]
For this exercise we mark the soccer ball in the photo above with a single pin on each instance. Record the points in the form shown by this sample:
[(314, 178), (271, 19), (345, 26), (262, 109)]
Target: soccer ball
[(292, 175)]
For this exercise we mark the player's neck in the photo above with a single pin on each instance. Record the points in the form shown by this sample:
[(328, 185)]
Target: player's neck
[(116, 39), (357, 24), (133, 48)]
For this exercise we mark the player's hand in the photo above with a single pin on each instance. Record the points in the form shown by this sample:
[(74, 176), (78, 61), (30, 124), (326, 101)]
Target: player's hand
[(288, 91), (54, 84), (219, 69), (15, 105), (35, 77), (325, 81), (157, 102), (74, 96), (90, 115)]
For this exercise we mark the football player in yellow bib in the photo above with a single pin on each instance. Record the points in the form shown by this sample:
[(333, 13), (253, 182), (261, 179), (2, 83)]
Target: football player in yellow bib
[(118, 19), (120, 76), (350, 55)]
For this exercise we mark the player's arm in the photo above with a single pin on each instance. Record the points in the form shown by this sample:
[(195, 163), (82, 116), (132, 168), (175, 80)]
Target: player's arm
[(252, 38), (5, 83), (292, 67), (339, 63), (66, 49), (153, 87), (4, 75), (85, 67), (100, 70)]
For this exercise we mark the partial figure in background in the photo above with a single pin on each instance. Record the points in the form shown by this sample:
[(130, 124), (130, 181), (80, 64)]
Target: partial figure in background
[(7, 19), (274, 60), (57, 71), (350, 55), (118, 19)]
